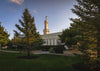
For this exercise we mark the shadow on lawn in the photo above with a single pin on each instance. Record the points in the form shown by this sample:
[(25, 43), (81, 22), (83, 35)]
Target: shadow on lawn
[(27, 57), (84, 67), (3, 54)]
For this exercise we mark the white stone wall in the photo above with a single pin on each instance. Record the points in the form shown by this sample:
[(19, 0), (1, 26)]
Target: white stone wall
[(51, 39)]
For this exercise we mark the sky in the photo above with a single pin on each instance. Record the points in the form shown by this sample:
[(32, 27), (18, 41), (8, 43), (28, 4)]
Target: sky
[(58, 12)]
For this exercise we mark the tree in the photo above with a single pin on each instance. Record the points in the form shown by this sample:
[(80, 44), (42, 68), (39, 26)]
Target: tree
[(4, 36), (89, 13), (28, 29), (17, 42), (70, 36), (96, 20)]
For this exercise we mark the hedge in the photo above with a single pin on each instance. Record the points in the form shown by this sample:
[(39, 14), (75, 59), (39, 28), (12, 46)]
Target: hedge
[(57, 48)]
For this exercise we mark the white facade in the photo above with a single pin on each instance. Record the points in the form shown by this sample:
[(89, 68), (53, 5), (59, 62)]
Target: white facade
[(51, 39)]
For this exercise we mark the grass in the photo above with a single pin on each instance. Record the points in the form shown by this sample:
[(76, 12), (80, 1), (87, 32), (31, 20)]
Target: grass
[(10, 49), (10, 62)]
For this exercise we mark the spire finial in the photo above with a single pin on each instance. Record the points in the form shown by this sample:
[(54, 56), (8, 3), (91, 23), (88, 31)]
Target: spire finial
[(46, 17), (0, 23)]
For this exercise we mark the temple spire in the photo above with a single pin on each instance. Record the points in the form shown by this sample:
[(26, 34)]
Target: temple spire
[(46, 30)]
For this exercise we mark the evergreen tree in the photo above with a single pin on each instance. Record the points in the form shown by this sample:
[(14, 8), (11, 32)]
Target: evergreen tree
[(28, 29), (17, 42), (70, 36), (89, 13), (96, 20), (4, 36)]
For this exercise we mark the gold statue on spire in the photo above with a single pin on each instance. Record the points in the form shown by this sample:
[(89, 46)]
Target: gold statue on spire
[(46, 17)]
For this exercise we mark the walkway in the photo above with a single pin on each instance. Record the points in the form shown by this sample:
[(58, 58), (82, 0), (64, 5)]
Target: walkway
[(9, 51), (39, 52)]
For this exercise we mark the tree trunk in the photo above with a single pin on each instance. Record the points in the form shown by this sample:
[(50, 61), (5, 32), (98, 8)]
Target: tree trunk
[(0, 46), (28, 52), (98, 36), (98, 44), (28, 46)]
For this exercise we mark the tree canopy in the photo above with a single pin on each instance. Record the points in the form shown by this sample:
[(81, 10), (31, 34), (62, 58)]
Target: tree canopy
[(86, 27), (4, 36), (89, 14), (29, 31), (71, 36)]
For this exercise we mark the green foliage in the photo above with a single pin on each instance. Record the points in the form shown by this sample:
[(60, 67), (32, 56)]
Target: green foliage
[(58, 49), (47, 47), (18, 43), (88, 28), (4, 36), (31, 37), (88, 23), (51, 50), (89, 13), (71, 36)]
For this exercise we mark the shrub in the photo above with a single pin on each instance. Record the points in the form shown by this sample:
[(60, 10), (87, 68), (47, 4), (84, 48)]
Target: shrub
[(47, 47), (52, 50), (58, 49)]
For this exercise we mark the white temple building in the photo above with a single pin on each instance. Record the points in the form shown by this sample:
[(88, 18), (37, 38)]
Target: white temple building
[(50, 38)]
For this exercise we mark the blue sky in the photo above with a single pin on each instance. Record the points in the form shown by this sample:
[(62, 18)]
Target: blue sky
[(58, 12)]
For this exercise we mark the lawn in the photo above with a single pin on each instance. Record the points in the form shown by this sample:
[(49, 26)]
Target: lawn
[(10, 62), (10, 49)]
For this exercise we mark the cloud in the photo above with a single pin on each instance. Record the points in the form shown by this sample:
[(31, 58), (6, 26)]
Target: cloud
[(17, 1), (34, 11)]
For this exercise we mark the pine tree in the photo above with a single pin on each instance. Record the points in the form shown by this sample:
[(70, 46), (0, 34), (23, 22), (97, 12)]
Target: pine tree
[(89, 14), (28, 29), (96, 20), (17, 42), (70, 36), (4, 36)]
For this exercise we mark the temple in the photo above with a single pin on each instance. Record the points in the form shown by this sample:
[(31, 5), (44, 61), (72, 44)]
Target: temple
[(50, 38)]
